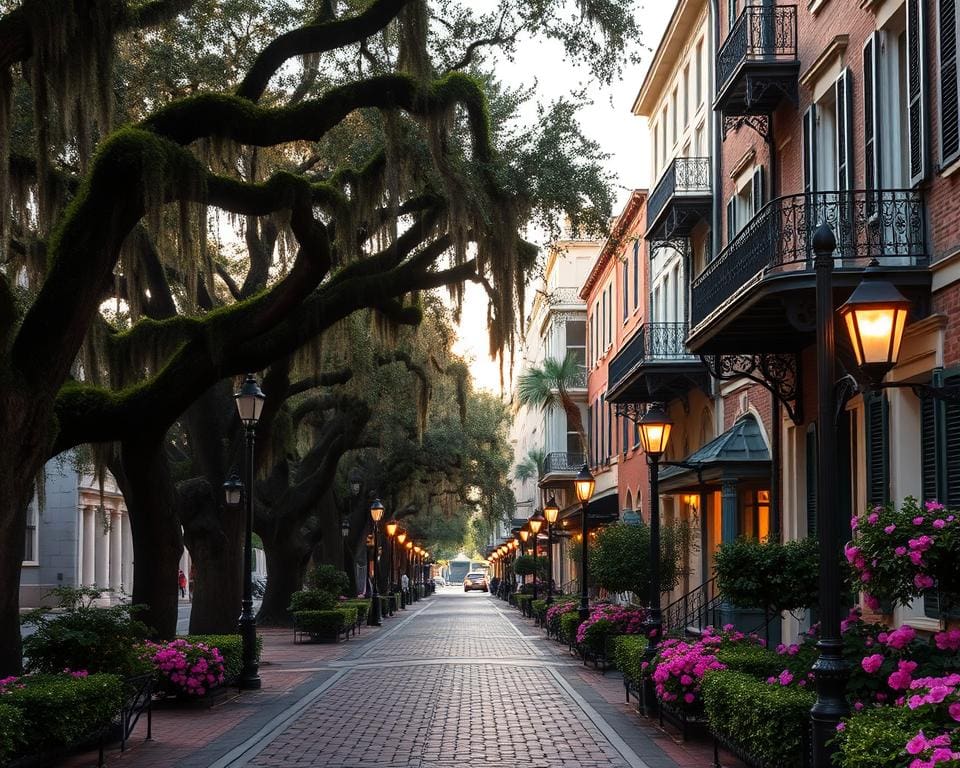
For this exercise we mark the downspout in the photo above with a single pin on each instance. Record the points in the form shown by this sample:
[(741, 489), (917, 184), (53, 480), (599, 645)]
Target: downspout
[(716, 159)]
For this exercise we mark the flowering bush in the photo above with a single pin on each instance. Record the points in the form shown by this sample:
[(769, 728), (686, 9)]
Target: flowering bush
[(942, 750), (898, 554), (607, 620), (555, 611), (186, 668), (679, 669)]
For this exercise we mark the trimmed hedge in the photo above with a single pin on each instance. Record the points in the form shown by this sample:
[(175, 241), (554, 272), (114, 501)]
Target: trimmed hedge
[(767, 721), (11, 731), (326, 623), (59, 710), (628, 656), (568, 626), (362, 606), (875, 737), (312, 600), (752, 659), (539, 607), (230, 647)]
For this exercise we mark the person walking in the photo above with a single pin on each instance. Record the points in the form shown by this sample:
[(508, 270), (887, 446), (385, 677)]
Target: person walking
[(182, 583), (405, 585)]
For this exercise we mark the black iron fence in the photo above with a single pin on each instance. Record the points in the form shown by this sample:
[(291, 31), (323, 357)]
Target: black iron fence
[(684, 175), (762, 33), (651, 342), (888, 225), (558, 461)]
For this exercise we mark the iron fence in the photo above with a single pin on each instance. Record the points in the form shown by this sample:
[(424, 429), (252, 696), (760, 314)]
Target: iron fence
[(887, 225)]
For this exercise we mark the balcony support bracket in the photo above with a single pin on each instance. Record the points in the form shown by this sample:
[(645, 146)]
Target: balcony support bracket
[(679, 244), (759, 123), (778, 373)]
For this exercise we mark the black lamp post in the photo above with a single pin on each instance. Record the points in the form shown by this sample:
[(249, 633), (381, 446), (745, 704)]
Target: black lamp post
[(412, 598), (584, 485), (551, 512), (249, 406), (655, 427), (401, 540), (376, 515), (536, 523), (524, 535)]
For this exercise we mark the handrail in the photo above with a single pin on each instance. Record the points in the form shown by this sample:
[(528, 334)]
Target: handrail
[(761, 33), (652, 341), (684, 175), (692, 608), (561, 461)]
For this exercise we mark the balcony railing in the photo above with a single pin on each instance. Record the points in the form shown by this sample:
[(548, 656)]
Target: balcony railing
[(557, 461), (763, 33), (684, 176), (653, 342), (887, 225)]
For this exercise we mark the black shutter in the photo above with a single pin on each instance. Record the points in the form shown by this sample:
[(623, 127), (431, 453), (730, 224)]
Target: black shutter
[(871, 152), (878, 485), (759, 192), (811, 481), (928, 448), (950, 484), (843, 92), (917, 98), (731, 218), (809, 149), (949, 106)]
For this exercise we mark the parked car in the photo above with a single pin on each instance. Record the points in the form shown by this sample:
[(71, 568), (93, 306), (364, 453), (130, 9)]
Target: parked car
[(439, 581), (475, 580)]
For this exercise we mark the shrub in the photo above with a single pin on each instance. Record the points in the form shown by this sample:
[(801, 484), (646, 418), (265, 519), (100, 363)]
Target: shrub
[(607, 620), (753, 660), (525, 566), (615, 564), (362, 606), (628, 653), (539, 607), (312, 600), (187, 668), (901, 553), (679, 669), (11, 731), (768, 721), (231, 649), (85, 637), (877, 736), (768, 575), (327, 624), (328, 578), (568, 625), (59, 710), (556, 611)]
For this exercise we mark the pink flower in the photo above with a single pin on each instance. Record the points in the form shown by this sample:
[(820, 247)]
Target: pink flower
[(841, 727), (854, 522), (938, 524), (900, 551), (871, 602), (873, 518), (890, 528), (917, 744), (786, 677), (923, 581), (954, 710), (872, 663), (933, 506), (918, 520), (948, 641)]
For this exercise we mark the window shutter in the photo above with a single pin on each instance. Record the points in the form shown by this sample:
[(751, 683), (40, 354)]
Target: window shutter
[(871, 152), (811, 481), (950, 466), (731, 218), (759, 192), (809, 149), (928, 448), (731, 13), (917, 97), (843, 92), (878, 485), (636, 272), (949, 87)]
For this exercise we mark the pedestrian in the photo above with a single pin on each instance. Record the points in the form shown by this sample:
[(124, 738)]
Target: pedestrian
[(405, 584), (182, 582)]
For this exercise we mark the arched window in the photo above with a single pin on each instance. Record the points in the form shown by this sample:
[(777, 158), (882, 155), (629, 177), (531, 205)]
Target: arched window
[(629, 504)]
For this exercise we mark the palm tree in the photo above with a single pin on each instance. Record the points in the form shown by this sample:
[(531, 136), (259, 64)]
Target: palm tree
[(531, 466), (547, 387)]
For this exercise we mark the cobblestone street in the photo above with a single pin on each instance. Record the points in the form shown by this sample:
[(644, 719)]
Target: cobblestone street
[(456, 680)]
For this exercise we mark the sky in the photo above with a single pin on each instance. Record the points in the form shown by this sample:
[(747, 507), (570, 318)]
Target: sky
[(608, 120)]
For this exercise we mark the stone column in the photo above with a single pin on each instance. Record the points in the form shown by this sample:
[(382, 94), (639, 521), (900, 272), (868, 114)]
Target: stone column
[(116, 551), (102, 538), (127, 573), (89, 536)]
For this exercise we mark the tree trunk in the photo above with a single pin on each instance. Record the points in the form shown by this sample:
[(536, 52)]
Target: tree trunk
[(286, 562), (215, 539), (155, 528)]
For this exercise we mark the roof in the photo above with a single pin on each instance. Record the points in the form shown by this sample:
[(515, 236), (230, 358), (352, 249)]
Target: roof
[(742, 444), (632, 211)]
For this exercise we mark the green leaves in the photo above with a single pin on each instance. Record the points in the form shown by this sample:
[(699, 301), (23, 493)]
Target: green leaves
[(619, 558), (768, 575)]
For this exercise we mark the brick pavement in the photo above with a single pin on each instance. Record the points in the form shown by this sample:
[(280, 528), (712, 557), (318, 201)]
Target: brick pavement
[(457, 680)]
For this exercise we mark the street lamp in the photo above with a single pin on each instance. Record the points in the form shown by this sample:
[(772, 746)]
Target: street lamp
[(412, 597), (392, 528), (584, 485), (655, 427), (249, 407), (376, 514), (551, 512), (536, 523), (233, 491)]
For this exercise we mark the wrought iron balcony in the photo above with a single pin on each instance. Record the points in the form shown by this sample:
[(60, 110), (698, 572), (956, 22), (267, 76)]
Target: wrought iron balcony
[(757, 64), (772, 255), (559, 461), (680, 199), (654, 365)]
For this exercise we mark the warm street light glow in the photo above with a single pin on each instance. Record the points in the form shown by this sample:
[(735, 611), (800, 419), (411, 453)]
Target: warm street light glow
[(524, 535), (401, 537), (391, 528), (655, 427), (551, 511), (376, 510), (536, 522), (249, 401), (875, 316), (233, 490), (578, 536), (584, 484), (409, 545)]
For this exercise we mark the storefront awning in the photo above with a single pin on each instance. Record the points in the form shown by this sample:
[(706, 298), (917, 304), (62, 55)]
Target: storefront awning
[(602, 511), (739, 453)]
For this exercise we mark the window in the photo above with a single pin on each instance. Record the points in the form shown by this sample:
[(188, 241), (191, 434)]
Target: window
[(754, 515), (573, 439), (603, 338), (593, 341), (675, 134), (30, 539), (610, 329), (609, 427), (677, 314), (948, 27), (577, 341), (624, 435), (699, 72), (686, 95), (636, 272), (731, 13), (626, 289)]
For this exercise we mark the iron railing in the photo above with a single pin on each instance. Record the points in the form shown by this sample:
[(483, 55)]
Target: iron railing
[(696, 609), (559, 461), (652, 342), (762, 33), (684, 176), (888, 225)]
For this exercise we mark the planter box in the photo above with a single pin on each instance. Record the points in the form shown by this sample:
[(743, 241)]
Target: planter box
[(742, 753), (689, 723)]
